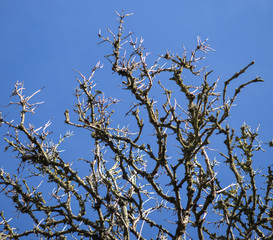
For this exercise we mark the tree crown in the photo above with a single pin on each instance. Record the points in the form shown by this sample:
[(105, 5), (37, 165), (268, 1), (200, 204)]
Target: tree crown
[(167, 180)]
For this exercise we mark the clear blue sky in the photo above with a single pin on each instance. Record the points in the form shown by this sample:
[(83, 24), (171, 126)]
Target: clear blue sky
[(42, 41)]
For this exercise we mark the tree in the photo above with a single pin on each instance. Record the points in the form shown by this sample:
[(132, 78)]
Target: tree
[(166, 182)]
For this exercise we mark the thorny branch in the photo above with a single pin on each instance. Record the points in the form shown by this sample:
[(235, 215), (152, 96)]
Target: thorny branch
[(141, 178)]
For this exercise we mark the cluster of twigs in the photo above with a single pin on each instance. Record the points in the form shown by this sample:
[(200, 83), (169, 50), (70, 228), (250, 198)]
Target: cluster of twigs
[(129, 188)]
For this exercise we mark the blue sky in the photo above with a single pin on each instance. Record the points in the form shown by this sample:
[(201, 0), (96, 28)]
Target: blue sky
[(42, 41)]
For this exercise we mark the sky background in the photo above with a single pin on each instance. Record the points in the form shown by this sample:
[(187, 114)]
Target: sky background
[(43, 41)]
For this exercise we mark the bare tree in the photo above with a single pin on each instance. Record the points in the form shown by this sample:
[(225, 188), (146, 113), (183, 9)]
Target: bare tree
[(163, 186)]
